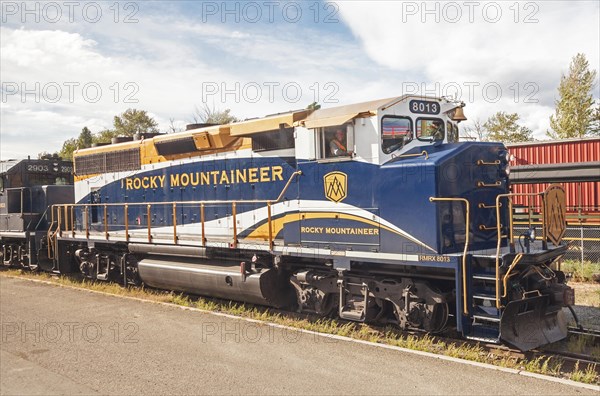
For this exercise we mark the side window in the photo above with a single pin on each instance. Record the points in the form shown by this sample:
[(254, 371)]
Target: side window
[(430, 129), (337, 141), (273, 140), (395, 133)]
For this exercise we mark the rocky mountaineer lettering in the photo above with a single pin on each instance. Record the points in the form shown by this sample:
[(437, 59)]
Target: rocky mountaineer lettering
[(340, 230), (263, 174)]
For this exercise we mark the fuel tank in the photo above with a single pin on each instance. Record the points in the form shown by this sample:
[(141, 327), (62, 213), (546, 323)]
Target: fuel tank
[(263, 286)]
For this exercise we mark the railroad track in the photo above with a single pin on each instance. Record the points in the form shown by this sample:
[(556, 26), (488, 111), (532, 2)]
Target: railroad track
[(586, 332)]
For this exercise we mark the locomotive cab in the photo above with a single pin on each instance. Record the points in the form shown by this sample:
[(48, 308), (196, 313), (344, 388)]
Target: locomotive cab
[(377, 131)]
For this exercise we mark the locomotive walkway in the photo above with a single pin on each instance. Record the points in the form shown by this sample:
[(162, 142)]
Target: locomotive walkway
[(62, 341)]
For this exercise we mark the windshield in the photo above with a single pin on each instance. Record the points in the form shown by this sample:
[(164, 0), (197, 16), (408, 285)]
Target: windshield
[(395, 133)]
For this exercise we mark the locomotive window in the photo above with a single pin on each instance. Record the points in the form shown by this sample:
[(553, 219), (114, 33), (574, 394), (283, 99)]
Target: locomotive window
[(176, 146), (274, 140), (395, 133), (337, 141), (430, 129)]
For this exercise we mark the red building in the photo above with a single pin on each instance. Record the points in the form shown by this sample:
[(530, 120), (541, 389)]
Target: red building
[(574, 163)]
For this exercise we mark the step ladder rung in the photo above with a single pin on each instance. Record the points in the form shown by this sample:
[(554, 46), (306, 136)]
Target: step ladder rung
[(483, 339), (484, 297), (485, 277), (486, 318)]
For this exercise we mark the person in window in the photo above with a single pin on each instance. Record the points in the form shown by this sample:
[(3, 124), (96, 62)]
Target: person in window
[(436, 130), (337, 145)]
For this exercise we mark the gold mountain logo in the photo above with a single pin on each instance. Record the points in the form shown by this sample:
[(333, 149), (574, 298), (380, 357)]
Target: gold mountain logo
[(336, 186)]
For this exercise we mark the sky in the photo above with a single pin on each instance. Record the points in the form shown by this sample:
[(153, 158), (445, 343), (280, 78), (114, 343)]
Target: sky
[(66, 65)]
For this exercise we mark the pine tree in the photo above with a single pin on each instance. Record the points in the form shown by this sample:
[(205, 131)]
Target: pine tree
[(595, 128), (502, 127), (85, 139), (574, 112)]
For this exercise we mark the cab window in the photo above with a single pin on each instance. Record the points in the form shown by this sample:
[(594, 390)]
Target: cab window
[(337, 141), (395, 133), (430, 129)]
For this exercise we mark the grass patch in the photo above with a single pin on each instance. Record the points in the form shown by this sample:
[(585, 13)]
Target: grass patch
[(581, 272), (389, 335), (578, 343), (587, 376)]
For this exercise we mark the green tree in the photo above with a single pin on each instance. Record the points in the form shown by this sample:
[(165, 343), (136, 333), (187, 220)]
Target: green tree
[(313, 106), (134, 121), (69, 146), (574, 114), (84, 140), (208, 115), (503, 127), (129, 123), (595, 128), (104, 136)]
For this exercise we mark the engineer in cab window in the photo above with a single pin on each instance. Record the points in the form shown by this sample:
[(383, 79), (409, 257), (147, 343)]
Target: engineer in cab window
[(337, 145), (436, 130)]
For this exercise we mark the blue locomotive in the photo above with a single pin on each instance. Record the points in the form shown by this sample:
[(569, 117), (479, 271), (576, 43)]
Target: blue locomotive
[(372, 211)]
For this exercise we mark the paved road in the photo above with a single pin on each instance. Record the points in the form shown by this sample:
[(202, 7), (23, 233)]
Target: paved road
[(63, 341)]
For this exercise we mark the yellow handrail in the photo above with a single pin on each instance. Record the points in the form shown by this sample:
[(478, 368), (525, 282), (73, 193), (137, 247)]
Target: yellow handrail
[(516, 260), (466, 250), (48, 237), (510, 234), (425, 153), (174, 223), (234, 203), (482, 162)]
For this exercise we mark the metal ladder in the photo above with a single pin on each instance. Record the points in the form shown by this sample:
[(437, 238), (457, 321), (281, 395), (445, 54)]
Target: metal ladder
[(483, 312)]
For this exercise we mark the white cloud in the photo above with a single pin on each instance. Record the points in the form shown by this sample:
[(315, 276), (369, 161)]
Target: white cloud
[(403, 36), (168, 61), (169, 57)]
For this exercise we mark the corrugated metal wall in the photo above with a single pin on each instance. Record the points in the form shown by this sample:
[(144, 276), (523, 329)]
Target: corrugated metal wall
[(579, 195), (556, 152)]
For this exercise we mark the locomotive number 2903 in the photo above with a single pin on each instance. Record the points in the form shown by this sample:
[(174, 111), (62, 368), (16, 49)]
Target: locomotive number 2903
[(37, 168)]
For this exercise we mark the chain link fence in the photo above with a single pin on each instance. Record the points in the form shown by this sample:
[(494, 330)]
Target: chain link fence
[(582, 232), (584, 243)]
